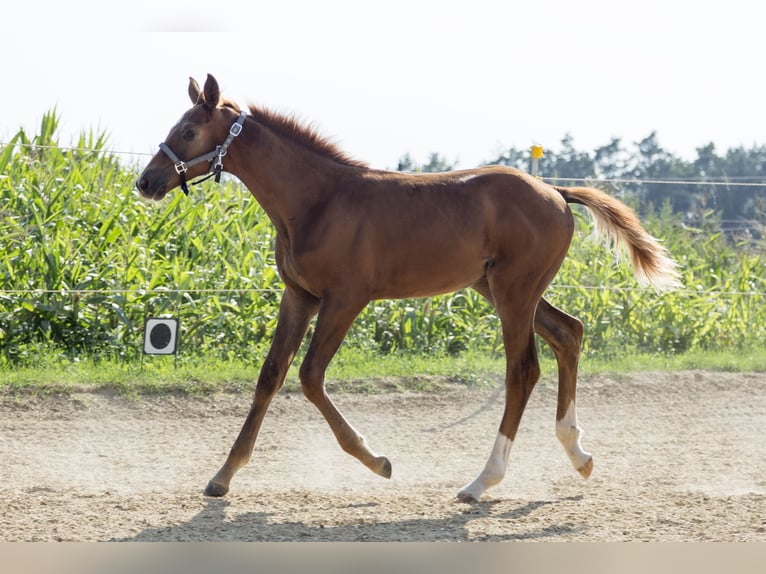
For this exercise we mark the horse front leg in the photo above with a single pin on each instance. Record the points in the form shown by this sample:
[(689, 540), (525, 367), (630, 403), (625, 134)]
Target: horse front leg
[(335, 317), (295, 312)]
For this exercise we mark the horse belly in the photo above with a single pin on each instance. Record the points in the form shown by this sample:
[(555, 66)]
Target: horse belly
[(423, 274)]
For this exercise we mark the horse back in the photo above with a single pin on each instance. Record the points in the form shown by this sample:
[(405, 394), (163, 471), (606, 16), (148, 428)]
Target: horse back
[(409, 235)]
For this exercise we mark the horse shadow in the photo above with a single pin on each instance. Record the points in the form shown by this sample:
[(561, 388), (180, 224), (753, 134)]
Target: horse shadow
[(213, 524)]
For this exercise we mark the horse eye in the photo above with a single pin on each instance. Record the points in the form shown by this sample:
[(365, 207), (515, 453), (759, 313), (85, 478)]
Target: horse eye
[(189, 135)]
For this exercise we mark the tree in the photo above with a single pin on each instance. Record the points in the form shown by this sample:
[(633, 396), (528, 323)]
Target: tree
[(569, 163), (406, 163), (435, 163), (611, 161), (741, 165), (709, 181), (513, 158), (655, 167)]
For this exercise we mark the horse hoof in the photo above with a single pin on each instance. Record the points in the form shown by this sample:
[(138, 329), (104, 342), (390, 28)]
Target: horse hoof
[(214, 489), (466, 496), (385, 468), (586, 469)]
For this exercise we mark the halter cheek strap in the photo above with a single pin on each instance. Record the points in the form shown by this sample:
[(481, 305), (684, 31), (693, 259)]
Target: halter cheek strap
[(215, 157)]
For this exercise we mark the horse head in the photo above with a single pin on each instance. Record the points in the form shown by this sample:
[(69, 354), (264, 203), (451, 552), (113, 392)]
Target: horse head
[(193, 145)]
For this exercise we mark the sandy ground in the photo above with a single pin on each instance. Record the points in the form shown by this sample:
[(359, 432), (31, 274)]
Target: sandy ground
[(678, 457)]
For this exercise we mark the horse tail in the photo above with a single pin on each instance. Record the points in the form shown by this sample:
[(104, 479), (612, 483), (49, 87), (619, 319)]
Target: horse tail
[(619, 226)]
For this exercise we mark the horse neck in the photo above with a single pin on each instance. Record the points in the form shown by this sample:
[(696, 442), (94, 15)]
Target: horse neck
[(283, 176)]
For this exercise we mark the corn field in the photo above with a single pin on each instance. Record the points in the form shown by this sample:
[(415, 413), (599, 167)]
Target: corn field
[(85, 260)]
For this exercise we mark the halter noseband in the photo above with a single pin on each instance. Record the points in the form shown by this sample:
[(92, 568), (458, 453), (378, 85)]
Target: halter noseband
[(217, 155)]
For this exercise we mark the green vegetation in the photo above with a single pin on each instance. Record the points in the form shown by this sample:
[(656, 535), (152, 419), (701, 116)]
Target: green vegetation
[(728, 183), (85, 261)]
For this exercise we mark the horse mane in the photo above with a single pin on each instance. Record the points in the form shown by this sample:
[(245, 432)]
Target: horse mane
[(306, 136)]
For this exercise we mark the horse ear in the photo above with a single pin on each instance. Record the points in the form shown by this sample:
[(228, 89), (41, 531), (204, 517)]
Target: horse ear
[(194, 91), (212, 94)]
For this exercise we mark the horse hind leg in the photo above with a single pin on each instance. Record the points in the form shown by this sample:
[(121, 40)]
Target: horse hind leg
[(522, 373), (564, 334)]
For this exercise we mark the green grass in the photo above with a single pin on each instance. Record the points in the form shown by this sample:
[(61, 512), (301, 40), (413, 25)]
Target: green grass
[(750, 361), (352, 371)]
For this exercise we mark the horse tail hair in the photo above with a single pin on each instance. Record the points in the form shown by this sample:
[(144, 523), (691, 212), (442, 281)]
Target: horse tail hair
[(620, 227)]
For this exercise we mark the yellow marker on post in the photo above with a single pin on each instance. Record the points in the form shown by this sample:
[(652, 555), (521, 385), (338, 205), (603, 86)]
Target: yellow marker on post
[(536, 154)]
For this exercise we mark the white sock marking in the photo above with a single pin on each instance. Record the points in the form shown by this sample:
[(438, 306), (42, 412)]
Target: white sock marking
[(493, 472), (569, 434)]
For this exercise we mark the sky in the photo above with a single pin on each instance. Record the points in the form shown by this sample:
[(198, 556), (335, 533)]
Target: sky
[(466, 79)]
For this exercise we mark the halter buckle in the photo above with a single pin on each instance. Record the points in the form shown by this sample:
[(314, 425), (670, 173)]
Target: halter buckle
[(181, 167)]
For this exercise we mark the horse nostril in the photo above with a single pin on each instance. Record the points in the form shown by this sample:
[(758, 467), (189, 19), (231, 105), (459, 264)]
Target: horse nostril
[(142, 184)]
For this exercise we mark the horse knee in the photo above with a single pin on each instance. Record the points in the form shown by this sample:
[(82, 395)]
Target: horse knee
[(314, 393), (312, 383), (270, 379)]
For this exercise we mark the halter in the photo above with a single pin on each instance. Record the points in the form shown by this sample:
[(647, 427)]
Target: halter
[(217, 155)]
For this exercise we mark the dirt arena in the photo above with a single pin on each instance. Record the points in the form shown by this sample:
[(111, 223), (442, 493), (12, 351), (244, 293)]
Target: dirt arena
[(678, 457)]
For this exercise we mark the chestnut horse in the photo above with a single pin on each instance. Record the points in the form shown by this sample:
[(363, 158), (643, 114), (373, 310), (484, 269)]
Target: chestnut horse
[(348, 234)]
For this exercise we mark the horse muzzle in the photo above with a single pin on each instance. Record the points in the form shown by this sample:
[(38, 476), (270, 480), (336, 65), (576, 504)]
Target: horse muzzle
[(151, 190)]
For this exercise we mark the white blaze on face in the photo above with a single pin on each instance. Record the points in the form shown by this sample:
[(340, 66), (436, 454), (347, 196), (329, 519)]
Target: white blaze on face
[(493, 472), (569, 434)]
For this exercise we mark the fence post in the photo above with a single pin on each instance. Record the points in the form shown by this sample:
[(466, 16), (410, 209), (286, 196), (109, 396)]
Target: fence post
[(536, 152)]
